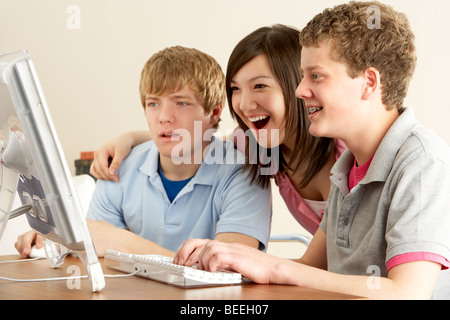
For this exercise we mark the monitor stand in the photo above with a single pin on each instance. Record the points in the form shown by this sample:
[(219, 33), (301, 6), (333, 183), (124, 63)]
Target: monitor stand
[(55, 252)]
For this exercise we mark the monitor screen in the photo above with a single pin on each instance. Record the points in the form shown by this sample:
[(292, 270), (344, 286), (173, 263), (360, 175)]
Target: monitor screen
[(33, 163)]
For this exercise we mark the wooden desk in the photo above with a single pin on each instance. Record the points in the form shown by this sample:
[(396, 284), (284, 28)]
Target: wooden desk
[(133, 287)]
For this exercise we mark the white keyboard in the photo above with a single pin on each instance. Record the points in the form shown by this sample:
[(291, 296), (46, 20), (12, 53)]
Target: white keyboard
[(162, 269)]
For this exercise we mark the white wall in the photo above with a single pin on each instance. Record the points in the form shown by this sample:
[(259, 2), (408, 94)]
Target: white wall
[(90, 74)]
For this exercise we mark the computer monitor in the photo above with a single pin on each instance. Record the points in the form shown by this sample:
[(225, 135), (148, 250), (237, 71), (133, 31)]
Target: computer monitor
[(32, 163)]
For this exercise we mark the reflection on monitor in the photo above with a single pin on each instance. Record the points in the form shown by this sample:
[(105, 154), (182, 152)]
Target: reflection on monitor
[(32, 162)]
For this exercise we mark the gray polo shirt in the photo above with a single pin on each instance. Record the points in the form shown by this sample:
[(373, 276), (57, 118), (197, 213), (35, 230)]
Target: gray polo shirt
[(401, 206)]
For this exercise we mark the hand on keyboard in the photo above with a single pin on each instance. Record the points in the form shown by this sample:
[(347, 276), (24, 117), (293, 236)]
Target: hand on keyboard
[(161, 268), (187, 253)]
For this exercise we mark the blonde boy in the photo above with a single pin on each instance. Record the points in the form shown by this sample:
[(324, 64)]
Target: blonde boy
[(158, 202)]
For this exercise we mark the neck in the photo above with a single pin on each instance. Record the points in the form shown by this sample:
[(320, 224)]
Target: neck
[(184, 168), (364, 142), (177, 172)]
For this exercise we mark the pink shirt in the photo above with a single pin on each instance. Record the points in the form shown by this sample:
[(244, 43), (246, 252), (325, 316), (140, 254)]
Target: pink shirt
[(309, 218), (358, 173)]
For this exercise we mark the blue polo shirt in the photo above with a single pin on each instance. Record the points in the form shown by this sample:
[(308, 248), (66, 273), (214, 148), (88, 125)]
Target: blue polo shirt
[(218, 199)]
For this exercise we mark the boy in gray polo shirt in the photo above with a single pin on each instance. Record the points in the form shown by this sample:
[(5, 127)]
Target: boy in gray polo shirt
[(386, 231), (388, 203)]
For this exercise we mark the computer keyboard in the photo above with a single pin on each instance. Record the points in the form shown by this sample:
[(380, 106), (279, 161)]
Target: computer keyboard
[(162, 269)]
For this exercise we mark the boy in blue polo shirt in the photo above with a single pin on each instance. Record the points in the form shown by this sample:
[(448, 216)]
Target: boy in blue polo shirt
[(184, 183)]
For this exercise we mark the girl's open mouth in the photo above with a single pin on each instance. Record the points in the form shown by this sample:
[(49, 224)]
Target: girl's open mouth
[(260, 122)]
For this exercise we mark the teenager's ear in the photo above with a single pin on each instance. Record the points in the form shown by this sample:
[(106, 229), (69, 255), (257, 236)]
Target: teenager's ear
[(215, 114), (372, 82)]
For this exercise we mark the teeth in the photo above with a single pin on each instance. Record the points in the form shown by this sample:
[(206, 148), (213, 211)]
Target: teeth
[(259, 118), (314, 109)]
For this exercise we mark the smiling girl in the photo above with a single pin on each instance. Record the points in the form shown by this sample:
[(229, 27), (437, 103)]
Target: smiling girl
[(262, 75)]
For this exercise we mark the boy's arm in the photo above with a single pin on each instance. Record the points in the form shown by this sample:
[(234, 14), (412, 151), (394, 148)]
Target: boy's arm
[(414, 280), (231, 237), (316, 253), (108, 228), (246, 211), (106, 236)]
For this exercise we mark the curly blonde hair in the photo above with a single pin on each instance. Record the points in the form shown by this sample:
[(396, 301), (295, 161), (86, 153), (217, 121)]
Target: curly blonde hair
[(174, 68), (389, 47)]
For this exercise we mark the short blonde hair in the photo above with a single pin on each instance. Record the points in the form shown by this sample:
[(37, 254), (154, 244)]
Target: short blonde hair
[(390, 48), (174, 68)]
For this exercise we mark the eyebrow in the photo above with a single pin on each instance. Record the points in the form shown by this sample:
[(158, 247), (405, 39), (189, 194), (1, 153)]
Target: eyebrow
[(311, 68), (256, 78), (173, 97), (181, 97)]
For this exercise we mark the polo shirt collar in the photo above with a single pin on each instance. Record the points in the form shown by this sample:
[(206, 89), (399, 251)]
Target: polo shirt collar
[(384, 157), (150, 165), (205, 174)]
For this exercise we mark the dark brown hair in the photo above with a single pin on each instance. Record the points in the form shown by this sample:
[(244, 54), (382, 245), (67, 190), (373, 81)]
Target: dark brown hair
[(280, 45)]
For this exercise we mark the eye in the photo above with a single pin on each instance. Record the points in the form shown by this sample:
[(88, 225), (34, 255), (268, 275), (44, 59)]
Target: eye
[(152, 104), (234, 88), (260, 86), (316, 76)]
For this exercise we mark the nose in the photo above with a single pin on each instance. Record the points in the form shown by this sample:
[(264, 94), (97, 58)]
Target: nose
[(166, 114), (303, 91), (244, 101)]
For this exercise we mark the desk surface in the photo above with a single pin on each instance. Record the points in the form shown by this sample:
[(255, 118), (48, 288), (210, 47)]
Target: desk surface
[(133, 287)]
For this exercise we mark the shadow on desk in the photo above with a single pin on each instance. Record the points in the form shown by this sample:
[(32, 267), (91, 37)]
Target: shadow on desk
[(132, 288)]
